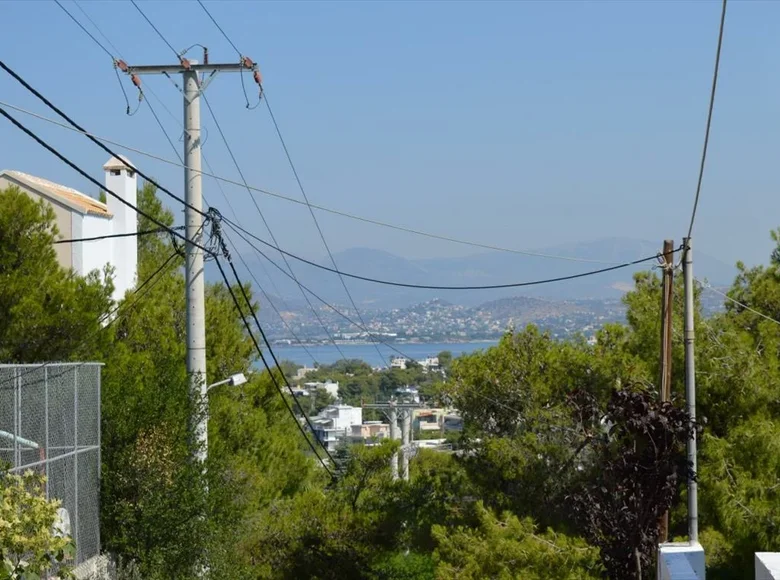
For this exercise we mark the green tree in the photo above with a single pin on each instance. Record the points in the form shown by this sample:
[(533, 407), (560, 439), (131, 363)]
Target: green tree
[(154, 493), (509, 548), (46, 312)]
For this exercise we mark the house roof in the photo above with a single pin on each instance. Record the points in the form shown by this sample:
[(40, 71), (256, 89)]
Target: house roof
[(68, 196), (120, 162)]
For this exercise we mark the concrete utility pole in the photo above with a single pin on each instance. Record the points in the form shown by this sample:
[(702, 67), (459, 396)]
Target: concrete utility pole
[(391, 410), (665, 382), (393, 418), (194, 274), (690, 389), (406, 450)]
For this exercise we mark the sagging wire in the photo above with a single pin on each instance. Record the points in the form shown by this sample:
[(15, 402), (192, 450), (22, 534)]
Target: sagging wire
[(256, 76), (119, 64)]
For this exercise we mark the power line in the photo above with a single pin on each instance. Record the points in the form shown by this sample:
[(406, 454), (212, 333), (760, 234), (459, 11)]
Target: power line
[(87, 32), (53, 107), (220, 28), (270, 371), (709, 117), (84, 174), (314, 294), (160, 34), (146, 286), (100, 32), (437, 287), (297, 179), (271, 302), (314, 217), (170, 142), (267, 225), (738, 303), (326, 209), (110, 236)]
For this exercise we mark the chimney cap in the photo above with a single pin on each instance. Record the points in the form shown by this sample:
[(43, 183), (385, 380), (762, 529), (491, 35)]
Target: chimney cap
[(120, 162)]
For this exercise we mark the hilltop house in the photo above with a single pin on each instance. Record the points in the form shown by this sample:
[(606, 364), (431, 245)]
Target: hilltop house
[(334, 423), (80, 216)]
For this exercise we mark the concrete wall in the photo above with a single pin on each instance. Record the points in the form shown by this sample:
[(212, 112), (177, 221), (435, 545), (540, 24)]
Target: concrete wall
[(64, 222)]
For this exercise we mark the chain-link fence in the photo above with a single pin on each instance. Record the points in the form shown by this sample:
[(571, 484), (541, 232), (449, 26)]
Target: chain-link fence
[(50, 423)]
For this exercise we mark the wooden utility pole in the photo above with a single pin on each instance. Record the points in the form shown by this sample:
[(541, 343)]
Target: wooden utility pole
[(665, 379)]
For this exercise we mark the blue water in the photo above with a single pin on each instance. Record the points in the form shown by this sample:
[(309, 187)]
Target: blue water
[(367, 352)]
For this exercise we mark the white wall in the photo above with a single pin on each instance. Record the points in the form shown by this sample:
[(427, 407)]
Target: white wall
[(767, 566), (348, 416), (95, 255), (681, 561), (332, 389), (121, 179)]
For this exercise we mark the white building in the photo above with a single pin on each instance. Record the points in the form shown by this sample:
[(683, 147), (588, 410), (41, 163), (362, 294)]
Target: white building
[(80, 216), (430, 363), (398, 362), (334, 423), (329, 386)]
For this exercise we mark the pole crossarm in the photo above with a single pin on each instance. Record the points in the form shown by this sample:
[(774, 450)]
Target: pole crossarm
[(151, 69)]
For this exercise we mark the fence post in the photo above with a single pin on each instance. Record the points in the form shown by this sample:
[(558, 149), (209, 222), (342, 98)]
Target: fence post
[(75, 527), (46, 425)]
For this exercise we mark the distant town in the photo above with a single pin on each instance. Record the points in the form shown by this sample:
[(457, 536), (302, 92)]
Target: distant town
[(438, 321)]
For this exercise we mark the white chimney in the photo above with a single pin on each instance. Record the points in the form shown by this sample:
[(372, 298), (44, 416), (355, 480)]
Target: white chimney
[(121, 180)]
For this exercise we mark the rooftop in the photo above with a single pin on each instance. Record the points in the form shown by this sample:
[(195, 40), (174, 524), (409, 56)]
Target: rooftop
[(75, 199)]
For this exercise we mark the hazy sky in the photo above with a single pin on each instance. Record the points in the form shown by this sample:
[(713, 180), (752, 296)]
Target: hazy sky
[(523, 124)]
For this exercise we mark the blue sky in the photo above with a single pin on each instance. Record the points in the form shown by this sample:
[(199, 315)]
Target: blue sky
[(522, 124)]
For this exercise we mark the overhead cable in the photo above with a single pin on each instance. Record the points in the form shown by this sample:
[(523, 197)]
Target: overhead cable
[(268, 226), (325, 209), (440, 287), (137, 293), (53, 107), (737, 302), (709, 117), (297, 178), (160, 34), (111, 236), (268, 368), (170, 142), (324, 302), (84, 174)]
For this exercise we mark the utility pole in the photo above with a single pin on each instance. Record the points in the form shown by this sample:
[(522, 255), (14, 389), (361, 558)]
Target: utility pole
[(406, 423), (665, 382), (690, 390), (194, 86), (391, 410), (393, 417)]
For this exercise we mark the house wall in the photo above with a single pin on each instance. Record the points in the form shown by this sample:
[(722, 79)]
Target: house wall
[(95, 255), (64, 222), (348, 416)]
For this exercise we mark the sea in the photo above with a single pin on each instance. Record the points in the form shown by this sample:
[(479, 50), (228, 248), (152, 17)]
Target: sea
[(327, 354)]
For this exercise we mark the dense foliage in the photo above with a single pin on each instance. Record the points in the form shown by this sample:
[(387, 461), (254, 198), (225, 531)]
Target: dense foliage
[(566, 460)]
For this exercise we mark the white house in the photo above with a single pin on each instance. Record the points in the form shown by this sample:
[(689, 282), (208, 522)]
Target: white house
[(398, 362), (334, 423), (80, 216), (329, 386), (430, 363)]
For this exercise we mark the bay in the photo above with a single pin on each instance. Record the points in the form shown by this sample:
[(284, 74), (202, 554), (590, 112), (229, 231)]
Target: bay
[(328, 354)]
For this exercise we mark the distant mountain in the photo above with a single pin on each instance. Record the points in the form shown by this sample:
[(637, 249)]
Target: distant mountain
[(490, 268)]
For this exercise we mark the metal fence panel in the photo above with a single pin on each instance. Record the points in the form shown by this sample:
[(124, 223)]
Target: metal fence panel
[(50, 423)]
